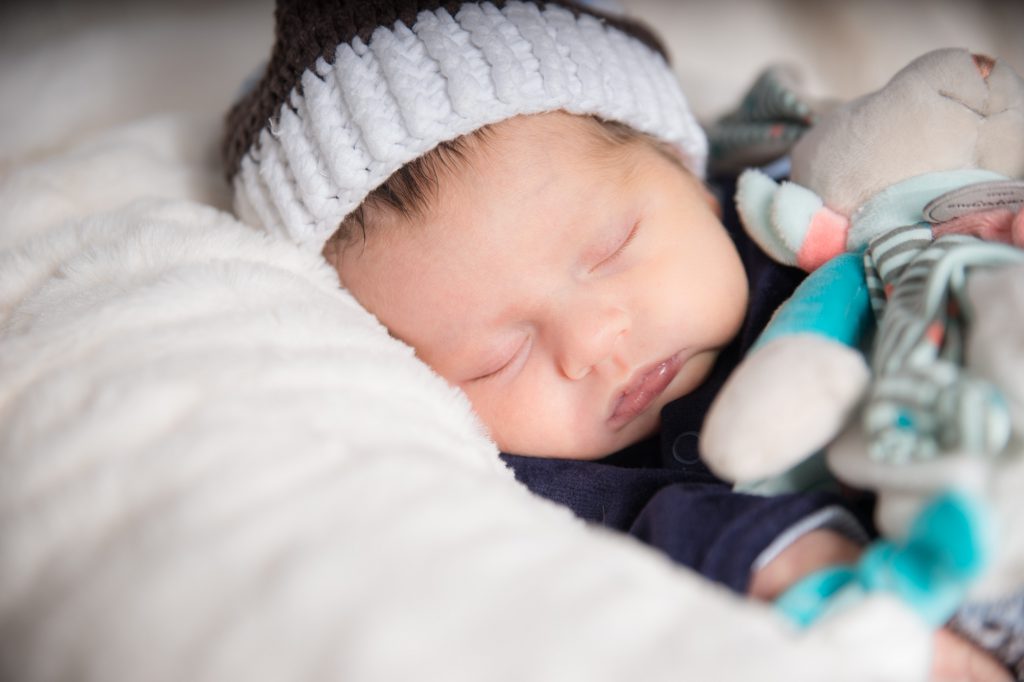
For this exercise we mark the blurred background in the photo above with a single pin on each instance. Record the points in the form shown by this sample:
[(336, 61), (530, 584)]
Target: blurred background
[(844, 48), (68, 67)]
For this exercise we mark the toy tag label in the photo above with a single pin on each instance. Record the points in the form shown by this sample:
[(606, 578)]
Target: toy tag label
[(983, 196)]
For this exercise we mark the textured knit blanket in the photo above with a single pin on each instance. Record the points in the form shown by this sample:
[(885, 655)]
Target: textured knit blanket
[(214, 465)]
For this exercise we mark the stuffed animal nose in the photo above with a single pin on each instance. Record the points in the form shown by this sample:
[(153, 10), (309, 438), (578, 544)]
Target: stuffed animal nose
[(984, 64)]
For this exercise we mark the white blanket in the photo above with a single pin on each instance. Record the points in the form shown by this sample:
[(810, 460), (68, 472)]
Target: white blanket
[(215, 466)]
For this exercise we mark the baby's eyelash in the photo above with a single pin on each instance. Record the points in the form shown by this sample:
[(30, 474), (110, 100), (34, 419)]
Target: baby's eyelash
[(492, 375), (505, 366), (622, 247)]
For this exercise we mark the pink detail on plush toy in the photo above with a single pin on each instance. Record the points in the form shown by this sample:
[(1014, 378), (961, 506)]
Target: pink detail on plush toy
[(825, 239), (984, 63), (935, 333), (996, 225)]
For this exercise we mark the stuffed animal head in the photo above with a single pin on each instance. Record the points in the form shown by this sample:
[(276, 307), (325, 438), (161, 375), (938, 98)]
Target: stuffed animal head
[(947, 122), (944, 112)]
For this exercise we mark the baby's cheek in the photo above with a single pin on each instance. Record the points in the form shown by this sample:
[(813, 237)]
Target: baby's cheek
[(489, 410), (514, 414), (547, 421)]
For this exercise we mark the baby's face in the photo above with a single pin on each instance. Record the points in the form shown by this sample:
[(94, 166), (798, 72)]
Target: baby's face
[(571, 287)]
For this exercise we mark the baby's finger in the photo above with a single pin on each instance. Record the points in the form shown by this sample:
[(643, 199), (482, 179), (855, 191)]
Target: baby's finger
[(957, 660)]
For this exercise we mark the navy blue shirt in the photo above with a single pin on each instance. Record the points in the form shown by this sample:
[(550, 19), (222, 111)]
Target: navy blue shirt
[(660, 490)]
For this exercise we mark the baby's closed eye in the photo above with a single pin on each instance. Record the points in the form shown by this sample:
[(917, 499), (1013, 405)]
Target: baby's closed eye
[(508, 362), (617, 251)]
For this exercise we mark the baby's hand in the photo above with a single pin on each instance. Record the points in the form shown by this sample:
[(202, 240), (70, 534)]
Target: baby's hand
[(809, 553), (957, 660)]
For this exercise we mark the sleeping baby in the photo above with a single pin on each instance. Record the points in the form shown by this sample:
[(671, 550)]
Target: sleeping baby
[(515, 190)]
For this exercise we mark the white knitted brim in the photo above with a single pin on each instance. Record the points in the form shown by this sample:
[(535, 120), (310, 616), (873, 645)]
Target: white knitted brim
[(353, 123)]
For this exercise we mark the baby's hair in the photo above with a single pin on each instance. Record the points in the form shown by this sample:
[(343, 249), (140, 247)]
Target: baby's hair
[(410, 190)]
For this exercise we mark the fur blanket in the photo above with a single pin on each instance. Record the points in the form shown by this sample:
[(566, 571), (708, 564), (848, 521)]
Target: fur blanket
[(216, 466)]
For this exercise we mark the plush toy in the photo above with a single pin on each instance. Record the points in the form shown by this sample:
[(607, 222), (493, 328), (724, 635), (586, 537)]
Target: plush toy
[(929, 569), (906, 207), (993, 612), (937, 152)]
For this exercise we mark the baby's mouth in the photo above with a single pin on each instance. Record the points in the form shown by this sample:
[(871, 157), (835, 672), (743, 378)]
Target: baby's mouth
[(647, 384)]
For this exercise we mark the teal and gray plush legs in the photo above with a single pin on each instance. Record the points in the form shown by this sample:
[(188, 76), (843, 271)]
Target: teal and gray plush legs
[(922, 401)]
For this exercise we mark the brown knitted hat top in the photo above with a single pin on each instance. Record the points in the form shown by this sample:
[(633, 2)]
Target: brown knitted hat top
[(354, 90)]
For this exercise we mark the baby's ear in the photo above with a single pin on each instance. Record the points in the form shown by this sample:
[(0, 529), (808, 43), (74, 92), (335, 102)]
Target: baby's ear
[(711, 198)]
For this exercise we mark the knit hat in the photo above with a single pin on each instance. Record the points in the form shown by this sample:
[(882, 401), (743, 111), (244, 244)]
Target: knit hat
[(355, 89)]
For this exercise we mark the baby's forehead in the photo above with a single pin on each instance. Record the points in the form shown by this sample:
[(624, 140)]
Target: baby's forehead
[(524, 146), (591, 141), (561, 129), (511, 166), (517, 148)]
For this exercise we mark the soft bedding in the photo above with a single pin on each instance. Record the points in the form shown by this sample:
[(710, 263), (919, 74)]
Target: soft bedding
[(217, 466), (214, 465)]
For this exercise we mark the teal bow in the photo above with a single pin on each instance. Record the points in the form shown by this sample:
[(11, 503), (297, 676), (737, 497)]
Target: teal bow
[(949, 545)]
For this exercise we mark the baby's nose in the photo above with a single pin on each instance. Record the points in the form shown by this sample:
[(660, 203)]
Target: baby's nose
[(591, 338)]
